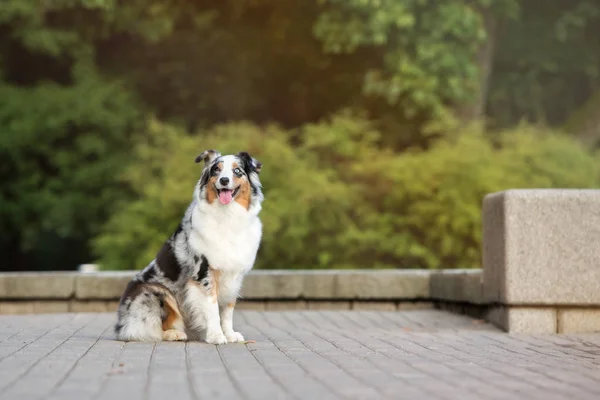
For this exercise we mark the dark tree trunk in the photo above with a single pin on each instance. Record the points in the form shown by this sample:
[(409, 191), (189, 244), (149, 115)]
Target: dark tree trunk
[(484, 60)]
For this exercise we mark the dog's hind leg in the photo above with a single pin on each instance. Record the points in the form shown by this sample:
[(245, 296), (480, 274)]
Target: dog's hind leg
[(172, 322), (145, 312), (172, 335)]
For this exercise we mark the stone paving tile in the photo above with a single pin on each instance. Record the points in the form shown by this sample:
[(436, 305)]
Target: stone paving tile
[(309, 354)]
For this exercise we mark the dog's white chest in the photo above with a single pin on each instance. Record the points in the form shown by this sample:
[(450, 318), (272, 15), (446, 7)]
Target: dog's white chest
[(227, 236)]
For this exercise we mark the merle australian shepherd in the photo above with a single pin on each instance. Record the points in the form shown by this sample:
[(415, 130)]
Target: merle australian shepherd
[(189, 291)]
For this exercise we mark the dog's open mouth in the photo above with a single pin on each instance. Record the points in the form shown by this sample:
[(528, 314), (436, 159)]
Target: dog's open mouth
[(226, 195)]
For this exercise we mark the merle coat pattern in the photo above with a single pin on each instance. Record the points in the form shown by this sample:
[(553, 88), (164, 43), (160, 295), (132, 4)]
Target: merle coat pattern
[(189, 291)]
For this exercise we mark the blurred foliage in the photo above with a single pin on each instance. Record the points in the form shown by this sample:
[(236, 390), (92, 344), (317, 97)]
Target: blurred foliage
[(547, 62), (428, 47), (64, 130), (163, 175), (439, 192), (337, 199), (59, 155), (238, 59), (78, 79)]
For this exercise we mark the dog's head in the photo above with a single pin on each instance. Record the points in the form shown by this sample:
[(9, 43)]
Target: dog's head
[(226, 179)]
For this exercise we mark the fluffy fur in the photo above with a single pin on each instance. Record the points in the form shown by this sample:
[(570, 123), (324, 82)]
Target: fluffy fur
[(189, 291)]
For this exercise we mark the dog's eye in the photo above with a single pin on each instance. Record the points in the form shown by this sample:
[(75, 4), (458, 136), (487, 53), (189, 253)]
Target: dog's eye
[(216, 171), (237, 171)]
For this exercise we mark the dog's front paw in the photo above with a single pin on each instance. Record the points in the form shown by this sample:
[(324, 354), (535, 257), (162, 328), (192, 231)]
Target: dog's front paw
[(216, 338), (234, 337)]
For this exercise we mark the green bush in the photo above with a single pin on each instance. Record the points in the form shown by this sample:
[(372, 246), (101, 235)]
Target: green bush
[(60, 148), (336, 199), (437, 195), (163, 175)]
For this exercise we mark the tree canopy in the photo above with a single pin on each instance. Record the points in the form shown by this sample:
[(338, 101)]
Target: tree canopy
[(370, 103)]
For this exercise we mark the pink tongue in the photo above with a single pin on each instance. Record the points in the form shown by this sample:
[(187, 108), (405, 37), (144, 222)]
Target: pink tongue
[(225, 196)]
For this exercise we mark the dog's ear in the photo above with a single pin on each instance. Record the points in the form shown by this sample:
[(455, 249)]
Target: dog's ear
[(251, 163), (208, 156)]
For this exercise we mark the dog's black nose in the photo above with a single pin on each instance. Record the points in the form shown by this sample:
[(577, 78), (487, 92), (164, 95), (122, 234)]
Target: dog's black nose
[(224, 181)]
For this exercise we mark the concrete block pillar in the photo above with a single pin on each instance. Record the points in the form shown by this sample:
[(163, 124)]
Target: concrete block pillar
[(541, 260)]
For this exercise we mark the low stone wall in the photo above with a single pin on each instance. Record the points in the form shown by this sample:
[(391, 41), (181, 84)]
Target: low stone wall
[(262, 290), (541, 258)]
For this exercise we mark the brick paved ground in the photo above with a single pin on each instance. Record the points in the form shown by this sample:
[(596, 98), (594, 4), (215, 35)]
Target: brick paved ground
[(424, 354)]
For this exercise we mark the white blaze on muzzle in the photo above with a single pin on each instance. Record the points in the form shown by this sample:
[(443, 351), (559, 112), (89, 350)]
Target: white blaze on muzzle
[(225, 183)]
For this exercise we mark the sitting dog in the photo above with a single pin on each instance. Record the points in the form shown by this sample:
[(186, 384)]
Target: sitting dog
[(189, 291)]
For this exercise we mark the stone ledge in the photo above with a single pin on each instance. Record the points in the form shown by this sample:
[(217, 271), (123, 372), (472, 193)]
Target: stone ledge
[(540, 257), (337, 284), (102, 285), (540, 247), (545, 320), (259, 284), (383, 290), (37, 285), (531, 320), (461, 286), (578, 320), (262, 289)]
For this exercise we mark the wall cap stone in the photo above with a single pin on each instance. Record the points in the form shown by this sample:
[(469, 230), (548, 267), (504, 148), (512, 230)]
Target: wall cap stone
[(37, 285), (367, 285), (540, 247), (460, 285), (259, 284)]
